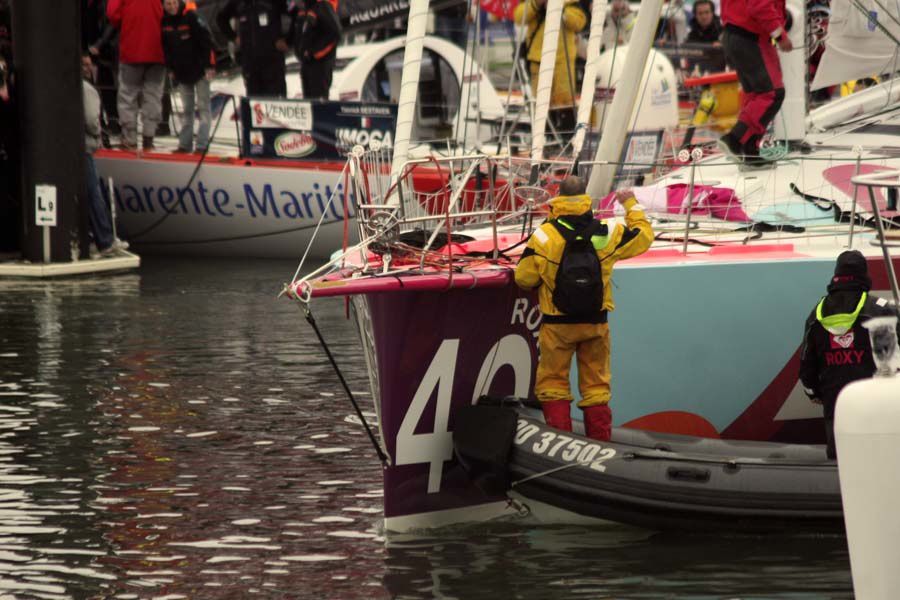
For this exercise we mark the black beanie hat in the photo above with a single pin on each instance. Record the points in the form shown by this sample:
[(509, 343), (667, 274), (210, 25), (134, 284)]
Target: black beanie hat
[(851, 271)]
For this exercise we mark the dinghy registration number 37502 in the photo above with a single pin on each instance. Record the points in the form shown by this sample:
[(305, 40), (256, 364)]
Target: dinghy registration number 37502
[(566, 447)]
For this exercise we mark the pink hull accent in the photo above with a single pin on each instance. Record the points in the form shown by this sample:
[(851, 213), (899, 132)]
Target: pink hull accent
[(839, 177), (430, 282), (494, 276)]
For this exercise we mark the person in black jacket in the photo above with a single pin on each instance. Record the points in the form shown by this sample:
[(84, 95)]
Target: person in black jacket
[(316, 32), (187, 45), (260, 36), (836, 348), (706, 28)]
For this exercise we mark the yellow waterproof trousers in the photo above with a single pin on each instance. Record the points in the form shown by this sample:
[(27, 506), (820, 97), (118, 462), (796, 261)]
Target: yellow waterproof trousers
[(590, 343)]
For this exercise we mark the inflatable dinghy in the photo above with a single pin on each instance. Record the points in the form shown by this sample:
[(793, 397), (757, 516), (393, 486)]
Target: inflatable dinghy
[(652, 480)]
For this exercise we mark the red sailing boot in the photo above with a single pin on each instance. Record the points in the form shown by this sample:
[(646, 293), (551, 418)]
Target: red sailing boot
[(598, 422), (558, 414)]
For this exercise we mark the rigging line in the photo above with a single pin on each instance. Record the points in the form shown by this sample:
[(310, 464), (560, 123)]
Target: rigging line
[(612, 68), (517, 57), (468, 60), (559, 135), (887, 11), (382, 456), (482, 39), (579, 463), (237, 237), (892, 79), (649, 68), (160, 221), (568, 64), (322, 218), (644, 90), (874, 21)]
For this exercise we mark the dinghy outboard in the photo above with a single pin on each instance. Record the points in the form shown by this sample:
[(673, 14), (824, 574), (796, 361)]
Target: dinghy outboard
[(647, 479)]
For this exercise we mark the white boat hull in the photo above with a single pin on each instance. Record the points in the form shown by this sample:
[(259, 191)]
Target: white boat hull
[(230, 208)]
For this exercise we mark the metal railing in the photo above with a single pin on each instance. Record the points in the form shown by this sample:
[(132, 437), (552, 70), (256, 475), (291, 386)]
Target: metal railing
[(884, 180), (439, 198)]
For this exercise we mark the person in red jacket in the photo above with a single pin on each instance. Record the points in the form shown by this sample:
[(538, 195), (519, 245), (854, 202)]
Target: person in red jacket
[(142, 70), (750, 28)]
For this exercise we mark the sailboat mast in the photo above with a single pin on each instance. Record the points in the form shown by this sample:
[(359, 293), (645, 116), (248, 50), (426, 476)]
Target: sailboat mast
[(598, 17), (790, 123), (409, 86), (619, 118), (552, 24)]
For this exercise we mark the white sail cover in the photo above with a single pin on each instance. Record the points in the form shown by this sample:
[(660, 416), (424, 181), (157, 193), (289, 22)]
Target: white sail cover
[(857, 45)]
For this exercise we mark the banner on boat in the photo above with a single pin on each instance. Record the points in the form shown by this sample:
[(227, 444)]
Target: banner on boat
[(640, 152), (362, 15), (314, 130)]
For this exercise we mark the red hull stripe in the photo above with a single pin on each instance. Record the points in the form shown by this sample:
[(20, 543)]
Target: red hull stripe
[(222, 161)]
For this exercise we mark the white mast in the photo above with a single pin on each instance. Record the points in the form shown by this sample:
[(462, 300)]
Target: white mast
[(790, 123), (409, 86), (545, 78), (617, 121), (598, 17)]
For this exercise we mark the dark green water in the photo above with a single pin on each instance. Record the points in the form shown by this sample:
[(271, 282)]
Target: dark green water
[(177, 433)]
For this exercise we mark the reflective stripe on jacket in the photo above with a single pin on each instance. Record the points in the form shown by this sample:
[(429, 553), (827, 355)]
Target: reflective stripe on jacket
[(836, 349)]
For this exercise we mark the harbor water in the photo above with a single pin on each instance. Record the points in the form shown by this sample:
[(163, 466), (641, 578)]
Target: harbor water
[(178, 433)]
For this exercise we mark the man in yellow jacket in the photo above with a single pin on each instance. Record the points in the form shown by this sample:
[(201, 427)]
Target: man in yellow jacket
[(580, 327), (562, 92)]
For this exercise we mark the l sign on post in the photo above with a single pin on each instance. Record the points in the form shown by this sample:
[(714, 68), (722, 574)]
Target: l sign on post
[(45, 205), (45, 213)]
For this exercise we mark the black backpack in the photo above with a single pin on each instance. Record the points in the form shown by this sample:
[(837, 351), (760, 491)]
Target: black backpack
[(578, 289)]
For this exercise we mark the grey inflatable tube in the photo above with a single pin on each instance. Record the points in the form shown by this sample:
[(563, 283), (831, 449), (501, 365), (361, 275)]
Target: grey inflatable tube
[(658, 481)]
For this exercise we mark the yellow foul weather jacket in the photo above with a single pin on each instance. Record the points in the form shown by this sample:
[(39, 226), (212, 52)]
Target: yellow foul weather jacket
[(541, 257), (573, 20)]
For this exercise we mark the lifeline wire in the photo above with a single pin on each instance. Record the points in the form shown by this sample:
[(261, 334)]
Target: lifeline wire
[(385, 461), (190, 181)]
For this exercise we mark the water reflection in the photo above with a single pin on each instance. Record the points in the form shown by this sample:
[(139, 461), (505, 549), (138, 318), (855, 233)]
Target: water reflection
[(178, 434), (613, 562)]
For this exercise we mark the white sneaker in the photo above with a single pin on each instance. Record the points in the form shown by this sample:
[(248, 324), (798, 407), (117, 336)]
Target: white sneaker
[(117, 247)]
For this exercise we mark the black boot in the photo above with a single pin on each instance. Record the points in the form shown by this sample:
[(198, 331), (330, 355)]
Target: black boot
[(148, 142), (751, 146), (830, 448), (752, 159), (731, 147)]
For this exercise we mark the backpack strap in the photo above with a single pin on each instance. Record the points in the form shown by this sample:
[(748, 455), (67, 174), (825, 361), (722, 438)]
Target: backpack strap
[(566, 230), (569, 232)]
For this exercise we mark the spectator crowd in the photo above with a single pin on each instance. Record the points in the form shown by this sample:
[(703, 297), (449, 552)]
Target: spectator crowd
[(144, 52)]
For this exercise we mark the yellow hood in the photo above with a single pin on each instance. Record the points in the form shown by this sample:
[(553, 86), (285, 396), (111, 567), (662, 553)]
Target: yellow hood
[(570, 205)]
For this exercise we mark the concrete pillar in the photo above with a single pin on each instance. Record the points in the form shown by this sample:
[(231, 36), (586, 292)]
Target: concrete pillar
[(47, 50)]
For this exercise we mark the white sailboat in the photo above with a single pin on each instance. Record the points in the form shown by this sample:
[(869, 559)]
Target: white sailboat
[(708, 323), (233, 203)]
